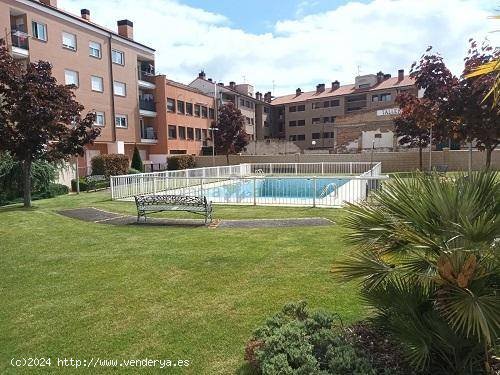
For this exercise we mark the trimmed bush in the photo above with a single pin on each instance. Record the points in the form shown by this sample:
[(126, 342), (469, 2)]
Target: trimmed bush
[(110, 165), (84, 186), (133, 171), (180, 162), (299, 341), (137, 161)]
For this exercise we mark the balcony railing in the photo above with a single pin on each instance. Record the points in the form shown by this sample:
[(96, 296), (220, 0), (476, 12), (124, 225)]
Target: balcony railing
[(149, 132), (147, 104), (19, 39), (146, 76)]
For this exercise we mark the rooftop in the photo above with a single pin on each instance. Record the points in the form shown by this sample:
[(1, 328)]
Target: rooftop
[(342, 90)]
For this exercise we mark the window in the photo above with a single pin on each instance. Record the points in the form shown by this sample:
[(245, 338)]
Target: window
[(266, 109), (172, 132), (119, 88), (292, 109), (301, 108), (204, 134), (301, 137), (328, 135), (247, 104), (71, 77), (374, 98), (301, 123), (197, 134), (316, 135), (189, 109), (329, 120), (317, 105), (39, 30), (266, 124), (292, 123), (211, 113), (242, 102), (252, 120), (170, 105), (379, 135), (204, 112), (385, 97), (335, 103), (326, 104), (182, 132), (180, 106), (95, 49), (99, 119), (315, 120), (247, 119), (292, 138), (69, 41), (96, 83), (364, 86), (118, 57), (197, 110), (190, 133), (121, 121)]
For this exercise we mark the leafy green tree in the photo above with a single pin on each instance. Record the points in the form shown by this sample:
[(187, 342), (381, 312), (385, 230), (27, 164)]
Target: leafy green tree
[(39, 118), (231, 137), (426, 256), (137, 161)]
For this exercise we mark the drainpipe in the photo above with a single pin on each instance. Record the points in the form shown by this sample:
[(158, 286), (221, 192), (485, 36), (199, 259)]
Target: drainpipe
[(113, 115)]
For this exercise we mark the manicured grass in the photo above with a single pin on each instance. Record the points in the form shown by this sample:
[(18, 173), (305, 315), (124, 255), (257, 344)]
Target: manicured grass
[(82, 290)]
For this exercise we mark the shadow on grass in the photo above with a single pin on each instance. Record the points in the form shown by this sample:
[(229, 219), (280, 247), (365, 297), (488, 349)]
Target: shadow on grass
[(246, 369)]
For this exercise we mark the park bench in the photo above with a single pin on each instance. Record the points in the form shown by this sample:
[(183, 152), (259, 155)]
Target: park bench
[(158, 203), (93, 180)]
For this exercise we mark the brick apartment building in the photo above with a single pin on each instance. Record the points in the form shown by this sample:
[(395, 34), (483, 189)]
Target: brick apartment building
[(347, 118), (256, 109)]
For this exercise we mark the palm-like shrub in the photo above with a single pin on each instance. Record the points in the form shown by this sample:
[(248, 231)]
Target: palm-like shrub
[(426, 253)]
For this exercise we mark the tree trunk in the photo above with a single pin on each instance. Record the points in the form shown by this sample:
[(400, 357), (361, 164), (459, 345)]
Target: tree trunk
[(227, 159), (488, 157), (26, 165), (420, 161)]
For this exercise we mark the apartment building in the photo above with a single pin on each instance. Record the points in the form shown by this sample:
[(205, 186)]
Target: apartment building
[(113, 73), (184, 117), (347, 118), (255, 109)]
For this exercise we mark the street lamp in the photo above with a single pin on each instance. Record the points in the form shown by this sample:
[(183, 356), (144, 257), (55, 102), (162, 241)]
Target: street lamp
[(213, 144)]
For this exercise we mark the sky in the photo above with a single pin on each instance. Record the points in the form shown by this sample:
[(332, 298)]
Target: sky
[(280, 45)]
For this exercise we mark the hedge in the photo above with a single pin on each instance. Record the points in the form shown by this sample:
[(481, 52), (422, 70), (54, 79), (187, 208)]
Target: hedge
[(84, 186), (180, 162), (110, 165)]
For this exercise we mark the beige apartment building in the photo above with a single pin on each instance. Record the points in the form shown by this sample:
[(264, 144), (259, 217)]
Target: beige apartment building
[(342, 118), (114, 74)]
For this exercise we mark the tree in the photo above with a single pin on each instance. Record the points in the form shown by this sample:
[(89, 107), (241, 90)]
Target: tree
[(426, 256), (414, 123), (231, 137), (480, 115), (39, 118), (137, 161)]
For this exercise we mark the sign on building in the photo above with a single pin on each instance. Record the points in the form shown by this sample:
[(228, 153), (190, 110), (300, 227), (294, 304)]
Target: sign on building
[(388, 111)]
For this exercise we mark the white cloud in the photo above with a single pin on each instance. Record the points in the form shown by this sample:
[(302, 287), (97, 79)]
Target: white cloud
[(381, 35)]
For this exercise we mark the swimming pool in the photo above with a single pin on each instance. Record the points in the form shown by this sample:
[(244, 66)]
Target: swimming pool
[(268, 187)]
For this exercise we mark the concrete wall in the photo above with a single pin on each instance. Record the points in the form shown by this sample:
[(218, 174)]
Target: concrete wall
[(391, 161)]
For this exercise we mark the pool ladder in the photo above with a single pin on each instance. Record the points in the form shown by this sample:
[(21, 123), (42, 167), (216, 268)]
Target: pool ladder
[(325, 190)]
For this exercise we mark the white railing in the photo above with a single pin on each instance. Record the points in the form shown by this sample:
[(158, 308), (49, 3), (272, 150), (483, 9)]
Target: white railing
[(323, 186)]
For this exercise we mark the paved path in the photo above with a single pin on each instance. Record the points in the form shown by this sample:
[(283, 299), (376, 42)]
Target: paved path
[(96, 215)]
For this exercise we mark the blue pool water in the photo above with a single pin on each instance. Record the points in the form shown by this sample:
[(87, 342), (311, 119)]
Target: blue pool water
[(276, 188)]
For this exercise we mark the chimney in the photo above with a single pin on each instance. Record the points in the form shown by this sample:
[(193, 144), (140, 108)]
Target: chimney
[(126, 29), (220, 84), (387, 76), (202, 74), (232, 85), (320, 87), (401, 74), (335, 85), (209, 80), (85, 14), (298, 92), (268, 97), (258, 95), (52, 3), (380, 77)]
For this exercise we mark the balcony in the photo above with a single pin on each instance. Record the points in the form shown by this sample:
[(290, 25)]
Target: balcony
[(146, 80), (147, 107), (149, 135), (20, 45)]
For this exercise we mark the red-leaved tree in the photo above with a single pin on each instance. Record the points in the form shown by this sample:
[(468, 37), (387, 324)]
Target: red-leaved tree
[(231, 137), (39, 118)]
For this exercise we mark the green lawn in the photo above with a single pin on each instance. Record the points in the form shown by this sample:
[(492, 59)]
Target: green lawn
[(82, 290)]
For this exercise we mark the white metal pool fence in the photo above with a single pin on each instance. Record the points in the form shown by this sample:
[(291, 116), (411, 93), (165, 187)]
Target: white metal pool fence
[(291, 184)]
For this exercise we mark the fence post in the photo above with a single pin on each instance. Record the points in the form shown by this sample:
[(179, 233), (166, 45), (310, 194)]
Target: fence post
[(201, 186), (322, 168), (350, 167), (270, 168), (296, 168), (254, 191), (110, 184), (154, 185), (314, 191)]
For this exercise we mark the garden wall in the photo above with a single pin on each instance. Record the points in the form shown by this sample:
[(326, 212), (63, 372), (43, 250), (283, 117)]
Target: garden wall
[(457, 160)]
